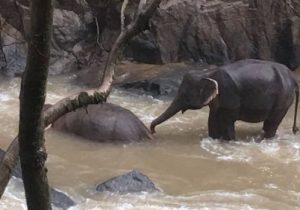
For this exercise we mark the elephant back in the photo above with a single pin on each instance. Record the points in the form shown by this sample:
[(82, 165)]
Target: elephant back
[(104, 123)]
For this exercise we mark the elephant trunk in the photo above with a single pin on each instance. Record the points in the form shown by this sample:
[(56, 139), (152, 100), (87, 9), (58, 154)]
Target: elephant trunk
[(171, 111)]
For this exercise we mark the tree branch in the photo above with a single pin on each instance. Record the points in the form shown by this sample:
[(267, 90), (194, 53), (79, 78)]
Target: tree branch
[(141, 5), (123, 8), (98, 32), (84, 98)]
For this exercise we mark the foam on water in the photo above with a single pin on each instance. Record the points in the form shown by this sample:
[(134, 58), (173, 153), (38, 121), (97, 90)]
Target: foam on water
[(285, 148), (203, 200), (167, 202)]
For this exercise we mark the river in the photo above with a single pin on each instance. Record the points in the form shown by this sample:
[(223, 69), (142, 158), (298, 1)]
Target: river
[(193, 171)]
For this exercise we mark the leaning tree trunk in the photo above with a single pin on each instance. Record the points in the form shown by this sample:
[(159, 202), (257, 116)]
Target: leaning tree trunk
[(32, 98), (68, 104)]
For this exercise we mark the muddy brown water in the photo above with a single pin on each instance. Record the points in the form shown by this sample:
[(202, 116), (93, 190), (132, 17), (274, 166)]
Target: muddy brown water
[(193, 171)]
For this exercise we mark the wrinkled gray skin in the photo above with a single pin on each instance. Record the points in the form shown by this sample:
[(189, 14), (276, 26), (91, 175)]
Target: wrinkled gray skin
[(248, 90), (104, 123)]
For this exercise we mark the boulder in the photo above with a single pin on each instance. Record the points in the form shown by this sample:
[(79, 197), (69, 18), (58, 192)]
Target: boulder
[(67, 51), (144, 49), (70, 29), (13, 49), (156, 80), (220, 31), (211, 32), (131, 182), (295, 26), (58, 198)]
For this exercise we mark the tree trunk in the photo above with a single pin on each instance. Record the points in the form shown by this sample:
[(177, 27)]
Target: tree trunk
[(32, 98), (87, 97)]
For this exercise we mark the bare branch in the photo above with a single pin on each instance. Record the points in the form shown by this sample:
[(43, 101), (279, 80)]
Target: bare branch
[(17, 6), (8, 164), (141, 5), (124, 5), (138, 25), (98, 32)]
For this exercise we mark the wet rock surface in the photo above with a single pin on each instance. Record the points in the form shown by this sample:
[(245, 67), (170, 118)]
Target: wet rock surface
[(157, 80), (221, 31), (58, 198), (131, 182), (213, 32)]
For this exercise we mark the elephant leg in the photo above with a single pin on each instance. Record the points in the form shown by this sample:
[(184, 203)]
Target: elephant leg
[(214, 125), (228, 130), (272, 122), (228, 119)]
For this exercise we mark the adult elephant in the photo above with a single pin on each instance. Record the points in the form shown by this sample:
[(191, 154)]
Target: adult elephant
[(248, 90), (103, 123)]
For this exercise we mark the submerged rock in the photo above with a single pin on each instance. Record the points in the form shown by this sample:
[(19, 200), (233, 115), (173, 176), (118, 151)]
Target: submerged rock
[(58, 199), (132, 182)]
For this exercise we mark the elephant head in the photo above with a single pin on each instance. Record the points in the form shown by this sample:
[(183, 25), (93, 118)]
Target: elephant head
[(193, 93)]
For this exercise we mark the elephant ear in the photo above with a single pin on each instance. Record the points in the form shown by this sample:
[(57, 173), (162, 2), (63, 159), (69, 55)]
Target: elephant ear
[(213, 85)]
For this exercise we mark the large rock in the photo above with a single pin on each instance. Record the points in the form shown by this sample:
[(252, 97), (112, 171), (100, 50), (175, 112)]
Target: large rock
[(144, 49), (58, 198), (220, 31), (132, 182), (70, 38), (295, 27), (13, 49), (213, 32), (157, 80), (67, 52)]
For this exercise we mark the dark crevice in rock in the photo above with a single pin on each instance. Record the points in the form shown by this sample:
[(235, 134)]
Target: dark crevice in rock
[(284, 51)]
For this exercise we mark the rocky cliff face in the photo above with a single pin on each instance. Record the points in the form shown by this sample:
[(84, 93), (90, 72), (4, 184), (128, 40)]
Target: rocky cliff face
[(216, 31), (206, 31)]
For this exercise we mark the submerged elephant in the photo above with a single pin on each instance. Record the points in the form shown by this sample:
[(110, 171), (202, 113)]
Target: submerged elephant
[(248, 90), (104, 123)]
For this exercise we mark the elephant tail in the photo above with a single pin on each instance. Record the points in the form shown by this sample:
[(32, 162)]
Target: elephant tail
[(295, 129)]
